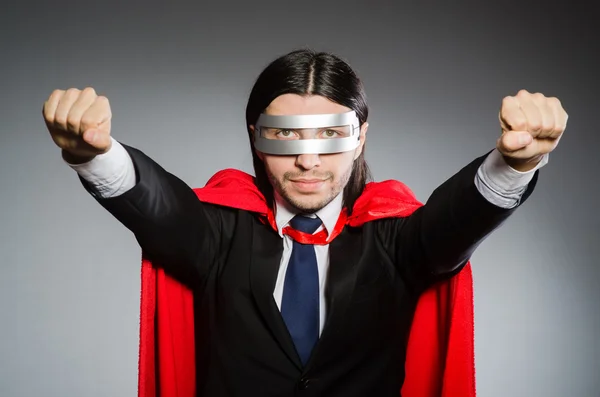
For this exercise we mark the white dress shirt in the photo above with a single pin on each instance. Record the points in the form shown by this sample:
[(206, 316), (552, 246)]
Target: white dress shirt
[(112, 173)]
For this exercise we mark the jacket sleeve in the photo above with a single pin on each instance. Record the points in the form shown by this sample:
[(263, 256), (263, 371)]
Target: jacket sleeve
[(438, 239), (173, 228)]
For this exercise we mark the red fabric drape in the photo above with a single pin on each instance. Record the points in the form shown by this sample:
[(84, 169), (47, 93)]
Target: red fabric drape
[(440, 353)]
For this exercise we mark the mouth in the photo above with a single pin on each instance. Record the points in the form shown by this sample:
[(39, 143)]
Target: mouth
[(307, 185), (307, 180)]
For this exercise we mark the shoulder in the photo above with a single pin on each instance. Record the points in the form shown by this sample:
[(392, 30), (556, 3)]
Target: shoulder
[(385, 202)]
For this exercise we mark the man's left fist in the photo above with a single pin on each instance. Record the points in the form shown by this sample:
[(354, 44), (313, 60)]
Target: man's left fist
[(532, 125)]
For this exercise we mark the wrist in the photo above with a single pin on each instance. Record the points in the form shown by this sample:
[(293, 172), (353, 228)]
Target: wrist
[(523, 165), (75, 159)]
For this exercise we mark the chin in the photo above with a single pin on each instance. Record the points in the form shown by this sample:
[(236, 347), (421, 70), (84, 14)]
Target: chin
[(308, 204)]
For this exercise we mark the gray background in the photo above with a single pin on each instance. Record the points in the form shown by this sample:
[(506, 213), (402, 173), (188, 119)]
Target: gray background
[(178, 78)]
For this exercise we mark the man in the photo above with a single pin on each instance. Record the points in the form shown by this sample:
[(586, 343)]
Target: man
[(280, 310)]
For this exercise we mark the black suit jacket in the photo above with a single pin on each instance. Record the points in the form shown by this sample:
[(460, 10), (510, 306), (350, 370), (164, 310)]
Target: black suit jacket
[(230, 260)]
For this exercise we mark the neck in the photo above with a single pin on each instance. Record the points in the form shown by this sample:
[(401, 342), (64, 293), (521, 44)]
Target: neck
[(329, 214)]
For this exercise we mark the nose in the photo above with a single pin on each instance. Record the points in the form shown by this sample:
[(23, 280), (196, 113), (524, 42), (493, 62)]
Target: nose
[(308, 161)]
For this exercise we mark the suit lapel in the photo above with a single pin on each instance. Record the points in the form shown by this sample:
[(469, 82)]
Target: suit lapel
[(344, 253), (267, 249)]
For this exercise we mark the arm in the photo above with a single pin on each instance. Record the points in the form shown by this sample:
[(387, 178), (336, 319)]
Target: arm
[(174, 229), (440, 237)]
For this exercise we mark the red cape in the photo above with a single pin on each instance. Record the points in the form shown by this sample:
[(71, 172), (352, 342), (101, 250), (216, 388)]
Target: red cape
[(440, 353)]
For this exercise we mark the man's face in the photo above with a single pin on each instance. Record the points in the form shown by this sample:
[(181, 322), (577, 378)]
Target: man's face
[(309, 181)]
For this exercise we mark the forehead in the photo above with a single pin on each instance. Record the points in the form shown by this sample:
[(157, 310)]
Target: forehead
[(293, 104)]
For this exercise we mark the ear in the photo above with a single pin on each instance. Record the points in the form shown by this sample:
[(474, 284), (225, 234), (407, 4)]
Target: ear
[(258, 153), (363, 138)]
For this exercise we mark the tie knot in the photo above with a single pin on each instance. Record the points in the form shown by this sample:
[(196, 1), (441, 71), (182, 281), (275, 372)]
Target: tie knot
[(305, 224)]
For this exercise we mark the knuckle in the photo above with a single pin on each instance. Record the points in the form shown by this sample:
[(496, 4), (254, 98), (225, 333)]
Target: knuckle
[(523, 93), (88, 92), (105, 103), (519, 125), (535, 126), (548, 126), (555, 102), (72, 92), (56, 93)]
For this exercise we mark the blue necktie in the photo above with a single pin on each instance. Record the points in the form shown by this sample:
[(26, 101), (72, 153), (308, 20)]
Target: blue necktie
[(300, 303)]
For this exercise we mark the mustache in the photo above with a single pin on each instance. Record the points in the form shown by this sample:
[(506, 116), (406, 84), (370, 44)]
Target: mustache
[(295, 175)]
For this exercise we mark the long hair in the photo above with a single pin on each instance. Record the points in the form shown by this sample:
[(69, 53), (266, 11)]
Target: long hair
[(306, 72)]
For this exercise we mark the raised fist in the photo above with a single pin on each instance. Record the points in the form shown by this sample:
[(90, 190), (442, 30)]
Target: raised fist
[(532, 125), (79, 123)]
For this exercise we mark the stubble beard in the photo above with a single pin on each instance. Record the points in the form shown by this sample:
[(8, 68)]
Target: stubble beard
[(305, 206)]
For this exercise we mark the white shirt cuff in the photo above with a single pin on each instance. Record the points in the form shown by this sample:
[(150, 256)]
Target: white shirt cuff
[(501, 184), (109, 174)]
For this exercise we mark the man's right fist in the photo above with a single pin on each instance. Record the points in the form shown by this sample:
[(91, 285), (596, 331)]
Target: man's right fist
[(79, 123)]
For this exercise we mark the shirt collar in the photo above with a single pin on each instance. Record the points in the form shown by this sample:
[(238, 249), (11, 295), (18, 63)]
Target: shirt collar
[(328, 214)]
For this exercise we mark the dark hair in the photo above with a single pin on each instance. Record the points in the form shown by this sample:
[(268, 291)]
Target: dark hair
[(306, 72)]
